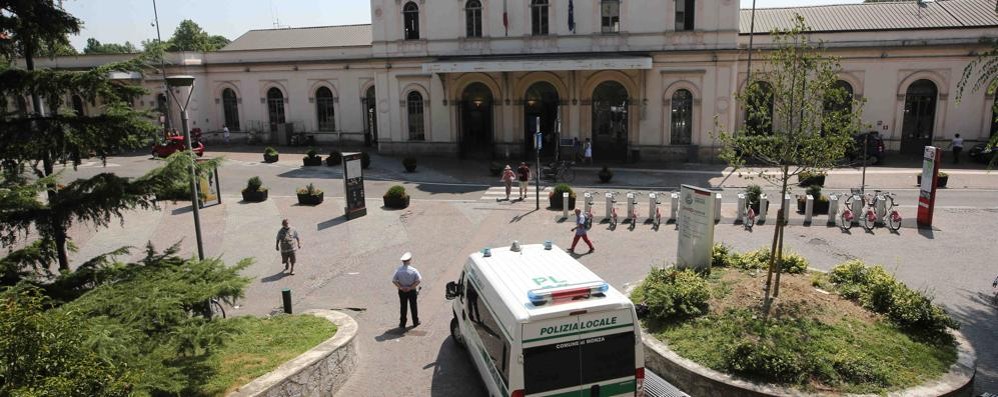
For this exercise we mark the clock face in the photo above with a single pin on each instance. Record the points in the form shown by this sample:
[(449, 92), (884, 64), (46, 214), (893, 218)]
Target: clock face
[(377, 12)]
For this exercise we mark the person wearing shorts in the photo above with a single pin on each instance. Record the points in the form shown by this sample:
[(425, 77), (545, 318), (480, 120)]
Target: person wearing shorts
[(287, 241), (523, 176)]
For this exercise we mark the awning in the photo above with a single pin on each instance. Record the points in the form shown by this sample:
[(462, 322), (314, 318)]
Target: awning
[(532, 64)]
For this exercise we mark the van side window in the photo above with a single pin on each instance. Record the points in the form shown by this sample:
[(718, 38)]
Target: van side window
[(488, 329)]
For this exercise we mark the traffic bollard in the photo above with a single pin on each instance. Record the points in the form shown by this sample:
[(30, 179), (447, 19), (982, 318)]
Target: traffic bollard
[(786, 208), (652, 205), (717, 207), (674, 208), (286, 297), (609, 205), (763, 208), (741, 209), (564, 205), (857, 209), (631, 201), (833, 208), (808, 209)]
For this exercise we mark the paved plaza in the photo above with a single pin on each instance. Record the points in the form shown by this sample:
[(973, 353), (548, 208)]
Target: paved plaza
[(347, 265)]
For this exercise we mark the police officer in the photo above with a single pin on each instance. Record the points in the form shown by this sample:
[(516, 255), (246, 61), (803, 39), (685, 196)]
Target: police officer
[(407, 280)]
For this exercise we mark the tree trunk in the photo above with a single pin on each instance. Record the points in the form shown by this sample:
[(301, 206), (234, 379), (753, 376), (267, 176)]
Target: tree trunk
[(777, 240)]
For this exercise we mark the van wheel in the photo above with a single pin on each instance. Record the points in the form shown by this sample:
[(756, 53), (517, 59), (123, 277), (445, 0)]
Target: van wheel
[(455, 332)]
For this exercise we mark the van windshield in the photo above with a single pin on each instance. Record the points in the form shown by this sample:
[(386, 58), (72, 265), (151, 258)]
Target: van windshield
[(580, 362)]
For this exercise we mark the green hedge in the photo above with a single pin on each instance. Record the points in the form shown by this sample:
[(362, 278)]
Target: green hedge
[(722, 256), (670, 293)]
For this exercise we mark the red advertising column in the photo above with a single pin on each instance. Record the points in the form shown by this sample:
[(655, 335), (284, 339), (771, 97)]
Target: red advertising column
[(927, 192)]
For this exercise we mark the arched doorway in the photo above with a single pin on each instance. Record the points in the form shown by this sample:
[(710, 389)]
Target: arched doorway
[(540, 105), (919, 117), (370, 118), (610, 120), (324, 109), (230, 108), (275, 107), (476, 121)]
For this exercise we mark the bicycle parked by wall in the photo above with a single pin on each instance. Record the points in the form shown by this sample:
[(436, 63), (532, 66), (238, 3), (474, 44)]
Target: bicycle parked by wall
[(632, 215), (888, 213), (613, 210), (563, 171), (847, 215)]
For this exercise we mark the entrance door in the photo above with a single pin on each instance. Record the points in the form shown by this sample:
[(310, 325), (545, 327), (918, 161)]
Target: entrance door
[(476, 121), (541, 101), (919, 117), (370, 118), (610, 120)]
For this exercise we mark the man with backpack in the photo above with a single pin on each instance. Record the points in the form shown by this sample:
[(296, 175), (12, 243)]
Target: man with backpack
[(523, 175)]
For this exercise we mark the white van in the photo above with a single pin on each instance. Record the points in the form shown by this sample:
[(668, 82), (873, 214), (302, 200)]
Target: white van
[(538, 323)]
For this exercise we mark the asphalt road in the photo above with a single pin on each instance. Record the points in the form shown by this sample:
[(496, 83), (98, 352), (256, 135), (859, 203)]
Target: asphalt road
[(346, 265)]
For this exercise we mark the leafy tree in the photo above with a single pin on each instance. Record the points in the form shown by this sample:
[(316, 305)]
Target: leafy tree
[(189, 36), (802, 121), (96, 47), (982, 73)]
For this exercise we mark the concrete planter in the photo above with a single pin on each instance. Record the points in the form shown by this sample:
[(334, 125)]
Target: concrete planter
[(697, 380), (942, 180), (396, 202), (311, 161), (270, 159), (308, 199), (320, 371), (255, 196), (555, 202)]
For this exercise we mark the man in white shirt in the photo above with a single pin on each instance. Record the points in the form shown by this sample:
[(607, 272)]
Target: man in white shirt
[(957, 146), (406, 280), (225, 133)]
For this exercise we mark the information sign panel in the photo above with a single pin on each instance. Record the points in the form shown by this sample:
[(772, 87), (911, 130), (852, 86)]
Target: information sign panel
[(353, 185), (696, 228)]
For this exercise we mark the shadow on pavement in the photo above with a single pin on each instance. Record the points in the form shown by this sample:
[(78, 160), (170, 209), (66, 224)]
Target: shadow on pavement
[(927, 232), (450, 189), (330, 223), (521, 216), (390, 334), (274, 277), (454, 374)]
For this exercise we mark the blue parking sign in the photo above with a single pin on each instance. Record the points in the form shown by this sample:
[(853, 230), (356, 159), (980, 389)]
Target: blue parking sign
[(538, 140)]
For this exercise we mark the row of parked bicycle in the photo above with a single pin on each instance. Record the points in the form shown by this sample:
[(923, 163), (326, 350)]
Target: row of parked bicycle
[(870, 210)]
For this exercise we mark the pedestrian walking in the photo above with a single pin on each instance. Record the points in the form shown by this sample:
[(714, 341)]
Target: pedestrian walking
[(587, 152), (406, 280), (225, 133), (507, 179), (576, 149), (957, 146), (523, 175), (580, 231), (287, 240)]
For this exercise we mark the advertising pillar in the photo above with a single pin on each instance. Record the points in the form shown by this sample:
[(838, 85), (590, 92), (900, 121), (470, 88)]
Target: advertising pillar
[(696, 228), (927, 193)]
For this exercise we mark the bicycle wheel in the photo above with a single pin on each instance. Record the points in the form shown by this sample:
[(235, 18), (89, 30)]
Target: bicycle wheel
[(844, 222), (894, 221), (868, 223), (216, 309)]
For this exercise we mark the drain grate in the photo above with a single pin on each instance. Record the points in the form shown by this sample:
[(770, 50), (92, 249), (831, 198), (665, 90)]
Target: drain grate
[(655, 386)]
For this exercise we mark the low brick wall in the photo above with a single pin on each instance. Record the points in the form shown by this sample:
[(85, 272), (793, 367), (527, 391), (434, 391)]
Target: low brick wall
[(697, 380), (320, 371)]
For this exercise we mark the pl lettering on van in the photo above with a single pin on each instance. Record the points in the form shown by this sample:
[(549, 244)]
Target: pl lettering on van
[(548, 282), (603, 322)]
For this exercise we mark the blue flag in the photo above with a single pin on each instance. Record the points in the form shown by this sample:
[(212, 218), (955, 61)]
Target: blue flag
[(571, 16)]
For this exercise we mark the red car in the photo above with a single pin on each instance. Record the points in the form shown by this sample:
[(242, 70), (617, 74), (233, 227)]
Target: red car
[(176, 144)]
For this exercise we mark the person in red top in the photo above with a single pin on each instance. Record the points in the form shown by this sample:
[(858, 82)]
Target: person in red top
[(523, 175), (507, 179)]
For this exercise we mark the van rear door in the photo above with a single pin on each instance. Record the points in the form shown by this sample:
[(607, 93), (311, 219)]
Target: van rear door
[(592, 354)]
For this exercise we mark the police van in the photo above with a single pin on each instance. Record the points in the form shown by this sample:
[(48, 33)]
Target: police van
[(536, 322)]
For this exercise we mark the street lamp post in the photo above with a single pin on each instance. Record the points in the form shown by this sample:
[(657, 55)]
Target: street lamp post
[(185, 82)]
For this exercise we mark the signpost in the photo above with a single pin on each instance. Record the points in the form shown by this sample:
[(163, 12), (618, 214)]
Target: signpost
[(927, 193), (353, 183), (538, 142), (696, 228)]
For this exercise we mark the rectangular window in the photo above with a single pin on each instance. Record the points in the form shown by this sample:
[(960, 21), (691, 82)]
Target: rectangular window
[(489, 332), (416, 127), (474, 22), (610, 11), (539, 20), (684, 14), (561, 365), (324, 110)]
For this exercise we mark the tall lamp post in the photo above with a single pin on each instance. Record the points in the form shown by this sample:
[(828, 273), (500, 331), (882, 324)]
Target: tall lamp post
[(185, 81)]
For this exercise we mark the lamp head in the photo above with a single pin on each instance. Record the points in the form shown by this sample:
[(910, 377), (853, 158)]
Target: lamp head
[(180, 80)]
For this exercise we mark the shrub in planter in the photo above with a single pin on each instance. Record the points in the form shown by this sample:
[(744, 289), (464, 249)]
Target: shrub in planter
[(554, 198), (365, 160), (254, 191), (335, 158), (753, 194), (605, 174), (670, 293), (409, 163), (809, 178), (396, 197), (820, 201), (309, 195), (943, 179), (311, 159), (269, 155)]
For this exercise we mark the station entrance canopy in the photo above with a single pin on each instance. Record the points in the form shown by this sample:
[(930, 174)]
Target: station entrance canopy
[(534, 64)]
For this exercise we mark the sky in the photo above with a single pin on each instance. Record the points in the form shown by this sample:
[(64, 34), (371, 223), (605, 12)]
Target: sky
[(117, 21)]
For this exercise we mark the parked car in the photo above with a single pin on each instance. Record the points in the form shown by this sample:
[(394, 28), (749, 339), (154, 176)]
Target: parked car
[(874, 152), (175, 144), (982, 153)]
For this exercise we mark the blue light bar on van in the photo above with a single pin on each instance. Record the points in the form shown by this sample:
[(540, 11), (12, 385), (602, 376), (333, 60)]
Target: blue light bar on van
[(486, 252), (542, 296)]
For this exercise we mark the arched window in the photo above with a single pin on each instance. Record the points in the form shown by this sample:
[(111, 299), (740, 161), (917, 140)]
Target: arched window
[(684, 14), (230, 107), (838, 103), (610, 16), (682, 117), (410, 17), (78, 106), (473, 18), (610, 120), (539, 17), (324, 109), (759, 109), (275, 105), (414, 112), (919, 116)]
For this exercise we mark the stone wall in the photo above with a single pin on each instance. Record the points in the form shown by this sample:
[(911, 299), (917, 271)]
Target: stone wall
[(697, 380), (320, 371)]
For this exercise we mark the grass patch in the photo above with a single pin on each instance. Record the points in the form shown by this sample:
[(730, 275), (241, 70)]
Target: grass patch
[(864, 332), (261, 346)]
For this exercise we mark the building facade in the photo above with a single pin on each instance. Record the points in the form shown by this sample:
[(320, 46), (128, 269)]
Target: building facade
[(640, 78)]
